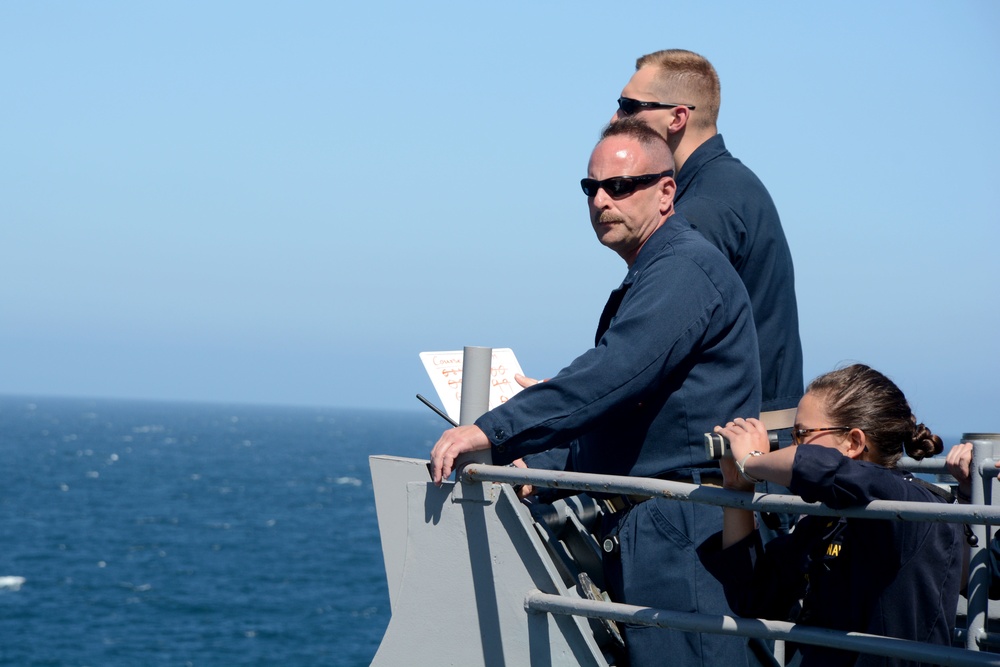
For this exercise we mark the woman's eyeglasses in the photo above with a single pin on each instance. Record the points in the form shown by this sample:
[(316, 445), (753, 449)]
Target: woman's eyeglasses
[(799, 433)]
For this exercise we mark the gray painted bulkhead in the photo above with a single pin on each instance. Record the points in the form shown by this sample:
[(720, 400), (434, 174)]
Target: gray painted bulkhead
[(459, 559)]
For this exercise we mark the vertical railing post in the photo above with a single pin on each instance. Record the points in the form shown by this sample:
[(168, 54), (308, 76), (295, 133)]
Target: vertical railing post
[(985, 448), (477, 367)]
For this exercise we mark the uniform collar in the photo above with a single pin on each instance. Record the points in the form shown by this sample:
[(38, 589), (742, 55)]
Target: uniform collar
[(714, 148), (659, 239)]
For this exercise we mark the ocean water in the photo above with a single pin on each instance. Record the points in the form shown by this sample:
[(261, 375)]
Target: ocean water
[(139, 533)]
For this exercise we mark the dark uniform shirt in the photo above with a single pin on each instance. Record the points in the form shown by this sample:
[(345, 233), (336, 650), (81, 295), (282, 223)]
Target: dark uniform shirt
[(893, 578), (675, 355), (728, 204)]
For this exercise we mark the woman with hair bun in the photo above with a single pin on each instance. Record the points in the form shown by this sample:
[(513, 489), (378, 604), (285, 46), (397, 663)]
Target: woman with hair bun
[(893, 578)]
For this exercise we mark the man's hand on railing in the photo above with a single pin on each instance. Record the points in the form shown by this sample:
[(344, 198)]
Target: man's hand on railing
[(523, 490), (455, 441)]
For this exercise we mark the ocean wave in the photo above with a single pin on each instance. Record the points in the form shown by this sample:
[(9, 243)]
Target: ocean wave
[(10, 583)]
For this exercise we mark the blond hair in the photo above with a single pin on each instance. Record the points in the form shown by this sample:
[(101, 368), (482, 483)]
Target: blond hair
[(687, 78)]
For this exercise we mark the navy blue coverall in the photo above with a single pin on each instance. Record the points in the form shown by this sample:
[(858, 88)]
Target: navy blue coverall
[(728, 204), (676, 354), (894, 578)]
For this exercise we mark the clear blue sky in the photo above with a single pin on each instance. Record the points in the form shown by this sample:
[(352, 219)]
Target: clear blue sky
[(286, 202)]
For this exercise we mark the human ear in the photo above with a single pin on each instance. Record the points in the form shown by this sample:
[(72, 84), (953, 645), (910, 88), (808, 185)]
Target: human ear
[(857, 443), (668, 188), (680, 120)]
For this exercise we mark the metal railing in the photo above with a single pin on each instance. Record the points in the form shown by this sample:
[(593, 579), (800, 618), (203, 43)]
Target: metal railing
[(758, 628), (980, 514)]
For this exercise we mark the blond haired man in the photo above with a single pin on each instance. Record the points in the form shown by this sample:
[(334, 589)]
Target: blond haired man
[(677, 92)]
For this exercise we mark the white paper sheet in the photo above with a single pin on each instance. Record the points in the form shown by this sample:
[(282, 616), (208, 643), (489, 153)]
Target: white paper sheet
[(445, 372)]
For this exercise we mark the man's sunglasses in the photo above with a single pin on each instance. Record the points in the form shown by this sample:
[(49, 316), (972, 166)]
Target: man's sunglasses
[(619, 186), (630, 107)]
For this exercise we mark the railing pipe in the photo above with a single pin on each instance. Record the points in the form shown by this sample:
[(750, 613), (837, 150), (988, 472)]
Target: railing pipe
[(988, 640), (767, 502), (985, 448), (474, 400), (477, 363), (980, 514), (938, 466), (536, 601)]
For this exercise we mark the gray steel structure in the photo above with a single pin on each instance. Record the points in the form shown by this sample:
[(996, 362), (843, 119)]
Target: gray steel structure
[(477, 578)]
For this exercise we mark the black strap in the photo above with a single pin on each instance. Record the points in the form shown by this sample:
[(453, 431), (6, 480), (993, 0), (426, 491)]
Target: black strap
[(933, 488)]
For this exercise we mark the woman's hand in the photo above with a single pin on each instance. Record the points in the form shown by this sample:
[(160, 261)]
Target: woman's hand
[(959, 464), (744, 436)]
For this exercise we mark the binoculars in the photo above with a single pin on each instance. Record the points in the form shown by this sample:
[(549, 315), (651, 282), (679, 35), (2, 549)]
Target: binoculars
[(717, 446)]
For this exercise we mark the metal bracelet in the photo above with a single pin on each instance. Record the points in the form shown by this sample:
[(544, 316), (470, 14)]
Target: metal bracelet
[(743, 472)]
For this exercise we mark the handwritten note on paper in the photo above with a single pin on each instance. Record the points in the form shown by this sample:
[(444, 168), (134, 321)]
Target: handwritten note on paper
[(445, 371)]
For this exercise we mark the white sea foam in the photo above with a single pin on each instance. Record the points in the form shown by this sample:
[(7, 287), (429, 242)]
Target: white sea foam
[(11, 583), (353, 481)]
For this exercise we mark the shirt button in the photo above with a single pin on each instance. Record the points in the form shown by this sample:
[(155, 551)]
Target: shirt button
[(499, 434)]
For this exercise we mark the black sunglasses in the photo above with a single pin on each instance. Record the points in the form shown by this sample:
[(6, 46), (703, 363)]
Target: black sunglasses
[(629, 106), (619, 186)]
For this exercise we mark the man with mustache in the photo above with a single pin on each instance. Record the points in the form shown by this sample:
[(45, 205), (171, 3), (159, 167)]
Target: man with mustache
[(675, 352)]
